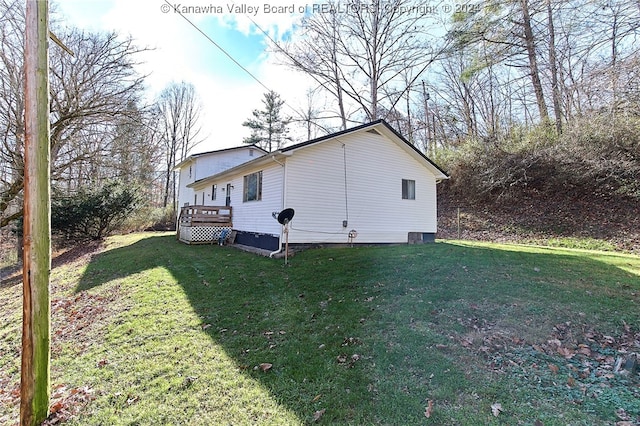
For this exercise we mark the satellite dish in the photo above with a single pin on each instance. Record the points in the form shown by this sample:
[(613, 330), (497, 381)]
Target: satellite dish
[(285, 216)]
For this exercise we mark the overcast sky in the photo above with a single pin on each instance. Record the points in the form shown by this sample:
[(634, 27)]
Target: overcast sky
[(181, 53)]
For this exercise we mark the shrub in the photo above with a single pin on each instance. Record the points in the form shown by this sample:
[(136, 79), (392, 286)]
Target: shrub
[(595, 156), (92, 214)]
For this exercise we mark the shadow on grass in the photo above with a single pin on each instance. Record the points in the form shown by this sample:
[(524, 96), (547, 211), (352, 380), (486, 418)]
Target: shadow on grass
[(12, 275), (361, 331)]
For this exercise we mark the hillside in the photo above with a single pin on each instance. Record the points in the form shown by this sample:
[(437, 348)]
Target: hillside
[(555, 217), (579, 188)]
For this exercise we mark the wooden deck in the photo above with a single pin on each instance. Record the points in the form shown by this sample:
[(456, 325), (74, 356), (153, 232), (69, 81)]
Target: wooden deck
[(205, 215), (204, 224)]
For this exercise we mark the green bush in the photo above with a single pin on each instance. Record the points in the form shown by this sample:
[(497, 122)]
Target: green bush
[(92, 214)]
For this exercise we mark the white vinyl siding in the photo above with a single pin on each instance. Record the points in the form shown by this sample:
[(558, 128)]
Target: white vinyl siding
[(356, 178), (371, 202), (255, 216), (208, 165)]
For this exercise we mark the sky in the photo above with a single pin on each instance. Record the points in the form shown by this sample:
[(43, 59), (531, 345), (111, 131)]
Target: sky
[(180, 52)]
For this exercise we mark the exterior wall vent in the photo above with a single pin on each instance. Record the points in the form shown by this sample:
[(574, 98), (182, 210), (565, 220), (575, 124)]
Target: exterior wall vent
[(373, 131)]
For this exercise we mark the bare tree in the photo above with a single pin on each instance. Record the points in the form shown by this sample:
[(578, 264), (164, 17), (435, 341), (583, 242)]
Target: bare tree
[(89, 94), (316, 53), (507, 30), (553, 67), (361, 52), (11, 110), (179, 113), (309, 114)]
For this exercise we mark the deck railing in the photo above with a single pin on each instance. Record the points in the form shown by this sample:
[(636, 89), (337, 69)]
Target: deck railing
[(205, 216)]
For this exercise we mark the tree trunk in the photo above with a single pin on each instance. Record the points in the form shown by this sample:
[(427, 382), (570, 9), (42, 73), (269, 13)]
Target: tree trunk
[(343, 115), (533, 62), (557, 108)]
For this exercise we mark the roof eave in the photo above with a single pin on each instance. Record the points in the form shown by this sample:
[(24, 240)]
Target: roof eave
[(183, 163), (191, 158), (265, 159)]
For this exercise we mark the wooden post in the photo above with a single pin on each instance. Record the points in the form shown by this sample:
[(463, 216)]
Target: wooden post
[(36, 327), (426, 97), (458, 222)]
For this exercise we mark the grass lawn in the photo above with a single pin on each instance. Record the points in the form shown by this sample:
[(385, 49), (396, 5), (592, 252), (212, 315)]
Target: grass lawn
[(151, 331)]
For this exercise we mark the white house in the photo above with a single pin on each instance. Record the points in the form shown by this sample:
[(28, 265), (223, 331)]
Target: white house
[(199, 166), (362, 185)]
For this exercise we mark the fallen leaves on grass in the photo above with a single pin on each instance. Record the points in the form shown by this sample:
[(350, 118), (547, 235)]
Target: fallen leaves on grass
[(348, 361), (575, 361), (318, 414), (188, 381), (265, 366), (429, 410), (590, 352), (9, 393), (66, 403), (73, 314), (621, 414), (496, 409), (350, 341)]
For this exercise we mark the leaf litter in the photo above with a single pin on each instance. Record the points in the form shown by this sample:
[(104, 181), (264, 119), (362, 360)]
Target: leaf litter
[(576, 362)]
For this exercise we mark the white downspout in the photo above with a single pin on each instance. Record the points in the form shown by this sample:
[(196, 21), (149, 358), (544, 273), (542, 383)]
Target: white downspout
[(284, 182)]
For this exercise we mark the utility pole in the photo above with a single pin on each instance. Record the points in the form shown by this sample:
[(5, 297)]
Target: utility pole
[(426, 96), (410, 130), (36, 325)]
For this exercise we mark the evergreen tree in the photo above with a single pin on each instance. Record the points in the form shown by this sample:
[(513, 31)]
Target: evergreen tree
[(268, 127)]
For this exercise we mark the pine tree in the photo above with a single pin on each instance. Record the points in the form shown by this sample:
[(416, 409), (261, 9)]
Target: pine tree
[(268, 127)]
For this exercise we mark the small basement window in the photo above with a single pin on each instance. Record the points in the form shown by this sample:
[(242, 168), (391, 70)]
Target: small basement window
[(408, 189)]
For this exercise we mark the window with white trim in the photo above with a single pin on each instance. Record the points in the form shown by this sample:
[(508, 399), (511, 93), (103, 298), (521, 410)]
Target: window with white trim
[(214, 192), (408, 189), (252, 190)]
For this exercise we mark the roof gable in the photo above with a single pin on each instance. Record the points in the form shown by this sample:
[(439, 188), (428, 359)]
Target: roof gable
[(191, 158), (380, 127)]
